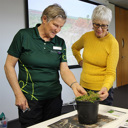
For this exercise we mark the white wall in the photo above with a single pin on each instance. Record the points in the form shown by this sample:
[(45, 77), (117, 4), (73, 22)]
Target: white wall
[(12, 18)]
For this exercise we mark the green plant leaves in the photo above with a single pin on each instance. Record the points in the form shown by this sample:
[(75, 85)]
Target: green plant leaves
[(90, 97)]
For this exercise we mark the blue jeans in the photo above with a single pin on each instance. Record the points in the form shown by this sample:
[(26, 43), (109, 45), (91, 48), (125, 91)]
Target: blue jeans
[(109, 100)]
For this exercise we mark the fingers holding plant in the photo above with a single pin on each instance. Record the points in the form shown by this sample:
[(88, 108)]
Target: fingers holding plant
[(103, 93), (78, 90)]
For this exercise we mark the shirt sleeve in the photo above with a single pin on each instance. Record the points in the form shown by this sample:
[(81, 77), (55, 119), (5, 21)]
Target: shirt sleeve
[(112, 61), (76, 47), (16, 46)]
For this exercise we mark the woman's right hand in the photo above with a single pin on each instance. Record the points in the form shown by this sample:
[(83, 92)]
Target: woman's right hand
[(81, 63), (78, 90), (103, 93), (21, 102)]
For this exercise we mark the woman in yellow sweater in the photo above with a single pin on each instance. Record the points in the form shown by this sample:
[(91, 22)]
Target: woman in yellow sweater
[(100, 56)]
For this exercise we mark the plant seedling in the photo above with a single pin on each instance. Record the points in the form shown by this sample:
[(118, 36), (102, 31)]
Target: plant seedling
[(90, 97)]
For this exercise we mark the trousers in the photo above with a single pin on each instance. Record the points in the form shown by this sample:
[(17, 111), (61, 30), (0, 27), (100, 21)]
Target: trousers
[(40, 111)]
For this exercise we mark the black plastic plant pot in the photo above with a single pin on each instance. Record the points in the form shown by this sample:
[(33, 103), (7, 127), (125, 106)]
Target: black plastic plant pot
[(87, 112)]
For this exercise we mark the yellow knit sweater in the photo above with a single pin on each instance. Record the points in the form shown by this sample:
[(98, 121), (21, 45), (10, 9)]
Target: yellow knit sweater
[(100, 58)]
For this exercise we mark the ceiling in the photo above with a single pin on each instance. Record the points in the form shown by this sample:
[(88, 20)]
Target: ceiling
[(120, 3)]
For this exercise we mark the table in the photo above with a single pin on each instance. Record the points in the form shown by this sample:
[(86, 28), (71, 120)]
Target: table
[(119, 114)]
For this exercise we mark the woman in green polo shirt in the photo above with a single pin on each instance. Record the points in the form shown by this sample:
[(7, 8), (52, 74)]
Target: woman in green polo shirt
[(40, 53)]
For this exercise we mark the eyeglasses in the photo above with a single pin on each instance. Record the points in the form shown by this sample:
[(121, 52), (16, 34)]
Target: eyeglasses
[(103, 26)]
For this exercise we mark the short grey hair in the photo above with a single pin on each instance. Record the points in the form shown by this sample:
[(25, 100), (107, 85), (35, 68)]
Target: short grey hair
[(54, 11), (102, 12)]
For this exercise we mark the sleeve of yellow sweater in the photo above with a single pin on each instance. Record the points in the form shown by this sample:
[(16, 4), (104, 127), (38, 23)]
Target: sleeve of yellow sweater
[(76, 47), (112, 61)]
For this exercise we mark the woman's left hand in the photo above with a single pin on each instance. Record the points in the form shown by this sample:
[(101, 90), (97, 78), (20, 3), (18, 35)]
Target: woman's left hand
[(103, 93), (78, 90)]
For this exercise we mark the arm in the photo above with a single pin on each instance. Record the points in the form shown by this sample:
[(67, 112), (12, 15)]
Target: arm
[(10, 72), (69, 78), (76, 47), (112, 61)]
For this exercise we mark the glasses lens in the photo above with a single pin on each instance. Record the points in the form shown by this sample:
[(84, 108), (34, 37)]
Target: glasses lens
[(96, 25), (103, 26)]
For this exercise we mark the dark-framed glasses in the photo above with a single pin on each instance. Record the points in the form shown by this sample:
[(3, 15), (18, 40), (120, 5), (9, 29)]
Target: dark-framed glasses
[(103, 26)]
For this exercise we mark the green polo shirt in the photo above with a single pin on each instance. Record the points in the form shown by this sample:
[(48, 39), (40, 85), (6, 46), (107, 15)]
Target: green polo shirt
[(39, 62)]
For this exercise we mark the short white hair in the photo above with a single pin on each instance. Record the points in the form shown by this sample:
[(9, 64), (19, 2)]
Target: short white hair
[(102, 12)]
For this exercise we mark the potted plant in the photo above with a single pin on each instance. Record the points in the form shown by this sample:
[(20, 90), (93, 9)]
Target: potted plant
[(87, 108)]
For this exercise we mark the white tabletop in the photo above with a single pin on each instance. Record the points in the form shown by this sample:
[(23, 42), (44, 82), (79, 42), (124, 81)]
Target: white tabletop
[(120, 116)]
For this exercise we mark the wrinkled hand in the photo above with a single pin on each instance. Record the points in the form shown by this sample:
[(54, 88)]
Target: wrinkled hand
[(21, 102), (81, 63), (78, 90), (103, 93)]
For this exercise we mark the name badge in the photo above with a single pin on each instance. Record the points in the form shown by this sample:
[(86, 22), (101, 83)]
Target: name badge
[(57, 48)]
